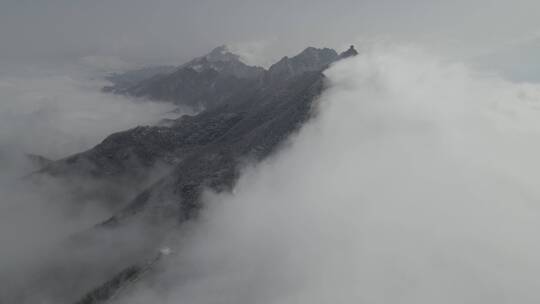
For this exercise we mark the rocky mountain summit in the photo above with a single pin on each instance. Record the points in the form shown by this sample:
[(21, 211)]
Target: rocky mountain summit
[(223, 61), (203, 82), (349, 53), (248, 112)]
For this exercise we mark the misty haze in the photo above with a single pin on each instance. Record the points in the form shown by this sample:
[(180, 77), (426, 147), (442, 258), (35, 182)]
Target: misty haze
[(235, 152)]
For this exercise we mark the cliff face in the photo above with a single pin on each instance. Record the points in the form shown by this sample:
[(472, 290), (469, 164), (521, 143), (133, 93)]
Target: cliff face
[(248, 115)]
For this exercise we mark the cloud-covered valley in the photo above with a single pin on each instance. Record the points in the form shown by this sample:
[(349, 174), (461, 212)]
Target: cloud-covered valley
[(417, 182)]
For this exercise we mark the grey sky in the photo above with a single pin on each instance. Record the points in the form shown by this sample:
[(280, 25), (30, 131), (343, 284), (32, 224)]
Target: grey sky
[(162, 31)]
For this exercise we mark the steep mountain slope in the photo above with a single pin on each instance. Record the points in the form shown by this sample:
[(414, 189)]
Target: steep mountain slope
[(250, 129), (194, 153), (349, 53)]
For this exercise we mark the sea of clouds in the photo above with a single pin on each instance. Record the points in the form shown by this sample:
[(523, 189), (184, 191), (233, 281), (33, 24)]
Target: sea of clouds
[(416, 182)]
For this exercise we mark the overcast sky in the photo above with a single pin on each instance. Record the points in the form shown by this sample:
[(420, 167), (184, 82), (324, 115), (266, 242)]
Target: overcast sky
[(172, 31)]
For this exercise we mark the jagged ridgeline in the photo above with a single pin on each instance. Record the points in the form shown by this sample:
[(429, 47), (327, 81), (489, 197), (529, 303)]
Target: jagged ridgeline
[(245, 112)]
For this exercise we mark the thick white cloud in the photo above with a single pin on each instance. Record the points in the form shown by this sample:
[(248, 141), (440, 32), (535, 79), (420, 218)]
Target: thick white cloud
[(417, 183)]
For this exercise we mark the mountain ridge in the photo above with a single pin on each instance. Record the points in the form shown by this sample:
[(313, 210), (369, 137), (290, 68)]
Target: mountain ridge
[(200, 152)]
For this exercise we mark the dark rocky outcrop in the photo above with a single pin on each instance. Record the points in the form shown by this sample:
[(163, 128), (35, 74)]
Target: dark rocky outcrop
[(256, 128), (309, 60), (349, 53)]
